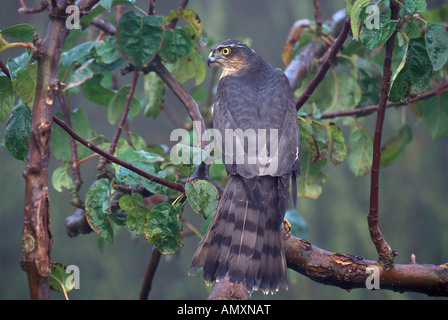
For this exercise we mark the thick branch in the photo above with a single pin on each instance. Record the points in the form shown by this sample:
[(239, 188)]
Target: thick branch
[(349, 272), (191, 105), (36, 237)]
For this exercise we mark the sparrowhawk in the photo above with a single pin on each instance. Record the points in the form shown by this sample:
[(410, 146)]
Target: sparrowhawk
[(243, 240)]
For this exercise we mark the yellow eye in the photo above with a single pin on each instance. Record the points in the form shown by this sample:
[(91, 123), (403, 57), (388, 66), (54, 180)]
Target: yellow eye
[(225, 51)]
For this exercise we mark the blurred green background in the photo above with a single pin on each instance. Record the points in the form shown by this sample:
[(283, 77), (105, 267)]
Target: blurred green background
[(413, 191)]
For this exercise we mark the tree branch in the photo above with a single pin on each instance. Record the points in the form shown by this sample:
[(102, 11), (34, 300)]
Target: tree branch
[(36, 236), (75, 167), (367, 110), (349, 272), (110, 157), (191, 105), (385, 252), (121, 121), (303, 63), (325, 65)]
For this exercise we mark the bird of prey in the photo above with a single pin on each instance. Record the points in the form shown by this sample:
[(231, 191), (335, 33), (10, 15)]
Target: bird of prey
[(243, 241)]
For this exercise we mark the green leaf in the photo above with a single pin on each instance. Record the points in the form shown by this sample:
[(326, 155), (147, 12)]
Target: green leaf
[(25, 83), (60, 141), (395, 146), (105, 51), (116, 105), (338, 91), (96, 93), (107, 4), (61, 179), (77, 54), (311, 175), (7, 97), (202, 196), (150, 163), (415, 75), (98, 202), (338, 150), (162, 228), (415, 6), (17, 132), (97, 10), (154, 88), (192, 18), (191, 66), (435, 115), (137, 212), (176, 44), (58, 278), (24, 32), (436, 38), (372, 38), (18, 63), (360, 143), (355, 16), (80, 75), (139, 38)]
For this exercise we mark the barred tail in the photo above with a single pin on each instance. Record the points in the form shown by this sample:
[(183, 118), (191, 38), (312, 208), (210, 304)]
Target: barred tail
[(244, 237)]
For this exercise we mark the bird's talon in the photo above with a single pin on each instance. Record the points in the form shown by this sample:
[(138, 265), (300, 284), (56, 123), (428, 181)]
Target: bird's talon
[(286, 225)]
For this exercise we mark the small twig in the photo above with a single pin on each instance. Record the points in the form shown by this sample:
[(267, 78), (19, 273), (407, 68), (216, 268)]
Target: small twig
[(75, 166), (151, 10), (149, 275), (367, 110), (318, 16), (4, 69), (110, 157), (325, 65), (104, 26), (24, 9), (386, 254), (173, 22), (122, 120)]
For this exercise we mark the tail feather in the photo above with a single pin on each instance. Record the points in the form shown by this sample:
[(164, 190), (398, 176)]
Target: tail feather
[(244, 239)]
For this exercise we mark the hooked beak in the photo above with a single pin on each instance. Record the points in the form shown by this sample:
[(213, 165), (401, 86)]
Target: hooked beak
[(211, 59)]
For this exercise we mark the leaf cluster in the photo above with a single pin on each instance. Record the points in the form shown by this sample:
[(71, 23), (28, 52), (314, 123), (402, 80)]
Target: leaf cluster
[(419, 64)]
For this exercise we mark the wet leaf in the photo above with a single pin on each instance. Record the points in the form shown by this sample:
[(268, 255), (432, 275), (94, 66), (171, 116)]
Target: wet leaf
[(436, 38), (139, 38), (415, 75), (17, 132), (203, 197), (360, 143), (137, 212), (162, 228), (98, 203)]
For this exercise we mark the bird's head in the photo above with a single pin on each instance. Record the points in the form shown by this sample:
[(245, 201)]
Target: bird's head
[(231, 55)]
